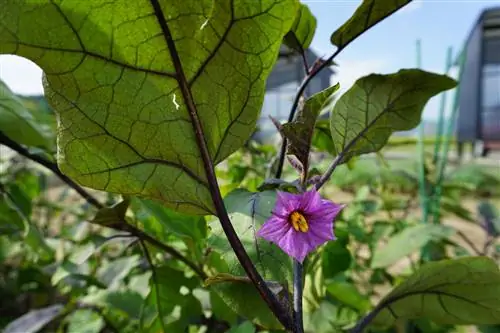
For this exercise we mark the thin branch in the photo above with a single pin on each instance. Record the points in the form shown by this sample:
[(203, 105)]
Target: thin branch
[(304, 61), (328, 173), (291, 116), (469, 242), (238, 248), (6, 141)]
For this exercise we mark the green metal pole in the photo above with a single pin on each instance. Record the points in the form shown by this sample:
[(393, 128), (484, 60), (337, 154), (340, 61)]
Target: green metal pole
[(442, 107), (421, 151), (447, 138)]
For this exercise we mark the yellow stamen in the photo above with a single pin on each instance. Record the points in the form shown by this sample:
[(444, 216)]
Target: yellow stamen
[(298, 221)]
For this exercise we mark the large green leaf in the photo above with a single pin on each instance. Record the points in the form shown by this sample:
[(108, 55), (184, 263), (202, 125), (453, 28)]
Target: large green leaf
[(127, 78), (460, 291), (300, 132), (348, 294), (165, 295), (378, 105), (248, 211), (369, 13), (17, 122), (181, 225), (336, 257), (408, 241), (301, 34), (242, 297)]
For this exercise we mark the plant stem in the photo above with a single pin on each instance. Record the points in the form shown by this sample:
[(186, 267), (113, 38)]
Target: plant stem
[(328, 173), (470, 243), (6, 141), (293, 110), (221, 212), (298, 272)]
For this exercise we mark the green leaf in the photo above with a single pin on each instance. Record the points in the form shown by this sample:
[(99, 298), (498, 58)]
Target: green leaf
[(127, 79), (114, 216), (113, 272), (17, 123), (242, 297), (299, 132), (34, 320), (336, 259), (368, 14), (248, 212), (408, 241), (302, 31), (165, 296), (322, 137), (463, 291), (181, 225), (84, 321), (246, 327), (14, 222), (377, 105), (124, 302), (348, 294)]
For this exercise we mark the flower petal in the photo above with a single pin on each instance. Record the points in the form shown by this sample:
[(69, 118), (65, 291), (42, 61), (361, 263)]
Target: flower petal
[(274, 229), (326, 211), (286, 203), (310, 201)]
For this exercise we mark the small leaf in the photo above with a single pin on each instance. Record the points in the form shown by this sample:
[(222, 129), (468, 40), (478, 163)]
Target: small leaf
[(18, 124), (112, 217), (408, 241), (464, 291), (243, 298), (336, 259), (322, 137), (348, 294), (129, 79), (34, 320), (84, 321), (181, 225), (113, 272), (368, 14), (166, 294), (246, 327), (300, 132), (377, 105), (302, 31), (125, 302)]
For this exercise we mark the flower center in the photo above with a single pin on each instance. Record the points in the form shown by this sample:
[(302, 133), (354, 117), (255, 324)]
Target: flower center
[(298, 221)]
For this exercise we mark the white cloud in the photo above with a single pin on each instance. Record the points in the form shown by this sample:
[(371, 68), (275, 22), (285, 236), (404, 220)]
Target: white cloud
[(349, 71), (21, 75)]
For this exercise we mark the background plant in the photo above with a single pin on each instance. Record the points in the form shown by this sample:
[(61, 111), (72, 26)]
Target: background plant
[(155, 102)]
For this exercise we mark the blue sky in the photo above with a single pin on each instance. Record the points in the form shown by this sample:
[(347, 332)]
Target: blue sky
[(384, 49)]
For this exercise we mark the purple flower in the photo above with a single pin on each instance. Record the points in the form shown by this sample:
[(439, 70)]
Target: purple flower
[(300, 223)]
